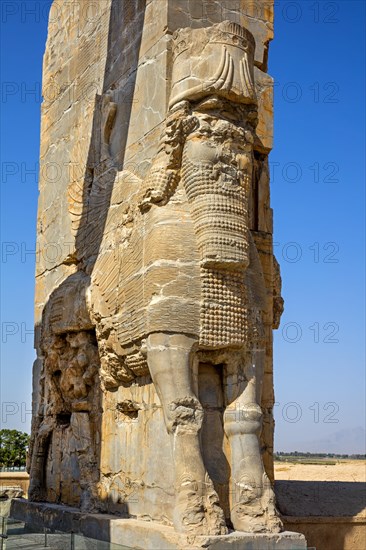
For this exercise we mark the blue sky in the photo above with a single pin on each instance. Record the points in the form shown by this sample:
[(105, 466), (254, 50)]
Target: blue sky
[(317, 165)]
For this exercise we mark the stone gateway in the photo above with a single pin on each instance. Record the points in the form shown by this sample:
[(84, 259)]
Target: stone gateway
[(153, 387)]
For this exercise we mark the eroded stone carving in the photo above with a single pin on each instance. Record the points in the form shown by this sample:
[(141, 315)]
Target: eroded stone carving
[(64, 437), (169, 309), (205, 162)]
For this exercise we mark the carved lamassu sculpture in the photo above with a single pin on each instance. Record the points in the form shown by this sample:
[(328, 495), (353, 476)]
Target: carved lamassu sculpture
[(189, 284), (174, 296), (65, 430)]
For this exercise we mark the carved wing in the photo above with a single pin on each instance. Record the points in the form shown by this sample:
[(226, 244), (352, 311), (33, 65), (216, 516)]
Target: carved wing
[(111, 267)]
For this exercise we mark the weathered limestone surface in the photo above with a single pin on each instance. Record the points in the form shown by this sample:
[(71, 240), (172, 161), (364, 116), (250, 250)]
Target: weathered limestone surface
[(156, 287)]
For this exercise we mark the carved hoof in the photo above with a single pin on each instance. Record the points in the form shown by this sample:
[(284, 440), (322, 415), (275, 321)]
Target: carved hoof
[(251, 522), (215, 514), (256, 511), (244, 522), (275, 524), (197, 510), (189, 514)]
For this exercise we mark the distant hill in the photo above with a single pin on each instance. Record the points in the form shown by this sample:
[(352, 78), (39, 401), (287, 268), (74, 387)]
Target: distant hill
[(352, 441)]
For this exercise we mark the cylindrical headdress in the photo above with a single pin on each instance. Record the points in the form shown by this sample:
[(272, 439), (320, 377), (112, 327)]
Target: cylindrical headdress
[(216, 60)]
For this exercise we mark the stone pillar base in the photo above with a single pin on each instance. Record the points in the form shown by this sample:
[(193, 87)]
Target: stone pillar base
[(145, 535)]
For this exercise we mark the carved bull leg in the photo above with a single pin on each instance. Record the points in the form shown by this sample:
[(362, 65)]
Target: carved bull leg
[(45, 427), (197, 507), (252, 498)]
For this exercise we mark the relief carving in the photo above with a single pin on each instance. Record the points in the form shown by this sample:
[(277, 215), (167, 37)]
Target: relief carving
[(200, 187), (65, 428), (175, 297)]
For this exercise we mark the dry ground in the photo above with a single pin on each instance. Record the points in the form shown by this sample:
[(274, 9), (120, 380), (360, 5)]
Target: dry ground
[(344, 470)]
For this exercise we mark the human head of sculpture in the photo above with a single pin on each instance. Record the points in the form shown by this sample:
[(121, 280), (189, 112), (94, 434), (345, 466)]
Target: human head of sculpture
[(212, 80)]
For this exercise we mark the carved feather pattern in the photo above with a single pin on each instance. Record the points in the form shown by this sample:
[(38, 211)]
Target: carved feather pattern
[(79, 180), (114, 264), (246, 78)]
